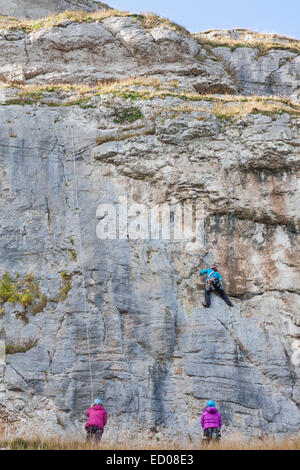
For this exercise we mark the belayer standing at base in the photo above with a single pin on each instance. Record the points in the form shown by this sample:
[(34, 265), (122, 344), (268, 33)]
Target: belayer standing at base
[(214, 281), (211, 421), (96, 422)]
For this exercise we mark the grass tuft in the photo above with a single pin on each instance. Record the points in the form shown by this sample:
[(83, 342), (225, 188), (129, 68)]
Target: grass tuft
[(151, 20), (128, 115), (66, 287), (20, 347), (125, 135), (39, 306)]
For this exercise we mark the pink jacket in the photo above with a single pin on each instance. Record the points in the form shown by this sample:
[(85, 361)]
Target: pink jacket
[(211, 418), (97, 417)]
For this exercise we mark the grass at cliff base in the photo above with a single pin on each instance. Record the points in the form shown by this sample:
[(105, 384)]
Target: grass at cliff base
[(230, 442)]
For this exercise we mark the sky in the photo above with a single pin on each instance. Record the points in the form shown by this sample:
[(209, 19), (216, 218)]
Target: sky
[(264, 16)]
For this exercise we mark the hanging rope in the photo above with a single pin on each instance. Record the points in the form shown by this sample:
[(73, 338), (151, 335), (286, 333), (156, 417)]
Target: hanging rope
[(82, 270)]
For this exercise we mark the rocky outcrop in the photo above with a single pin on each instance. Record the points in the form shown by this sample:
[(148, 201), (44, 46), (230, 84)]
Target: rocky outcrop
[(157, 355), (262, 64), (276, 73), (41, 8), (123, 45), (115, 48)]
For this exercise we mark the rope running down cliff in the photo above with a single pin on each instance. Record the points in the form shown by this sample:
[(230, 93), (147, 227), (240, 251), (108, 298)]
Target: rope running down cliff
[(82, 270)]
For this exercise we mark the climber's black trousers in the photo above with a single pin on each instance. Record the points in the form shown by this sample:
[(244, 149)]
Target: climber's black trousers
[(220, 291)]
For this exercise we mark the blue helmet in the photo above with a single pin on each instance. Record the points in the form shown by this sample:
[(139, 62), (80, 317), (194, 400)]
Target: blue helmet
[(98, 401), (211, 404)]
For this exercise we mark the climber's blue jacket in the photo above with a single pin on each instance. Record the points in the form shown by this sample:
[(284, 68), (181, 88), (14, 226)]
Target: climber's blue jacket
[(211, 274)]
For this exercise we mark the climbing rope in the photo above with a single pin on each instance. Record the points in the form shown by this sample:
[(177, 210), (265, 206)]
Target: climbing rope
[(83, 288)]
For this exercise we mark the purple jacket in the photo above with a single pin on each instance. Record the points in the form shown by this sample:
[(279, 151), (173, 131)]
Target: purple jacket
[(97, 417), (211, 418)]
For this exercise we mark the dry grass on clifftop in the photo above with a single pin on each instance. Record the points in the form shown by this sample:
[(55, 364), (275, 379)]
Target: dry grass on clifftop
[(147, 20), (58, 19)]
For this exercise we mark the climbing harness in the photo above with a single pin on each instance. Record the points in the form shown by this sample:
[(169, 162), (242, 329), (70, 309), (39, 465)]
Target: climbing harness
[(211, 281), (83, 288)]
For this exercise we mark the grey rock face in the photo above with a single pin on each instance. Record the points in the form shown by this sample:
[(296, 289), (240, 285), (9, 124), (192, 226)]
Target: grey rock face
[(258, 68), (41, 8), (275, 73), (157, 355)]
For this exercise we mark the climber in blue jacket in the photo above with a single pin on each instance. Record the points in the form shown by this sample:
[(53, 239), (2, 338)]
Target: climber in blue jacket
[(214, 282)]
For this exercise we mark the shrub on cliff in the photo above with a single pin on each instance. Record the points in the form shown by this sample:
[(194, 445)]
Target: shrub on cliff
[(23, 291)]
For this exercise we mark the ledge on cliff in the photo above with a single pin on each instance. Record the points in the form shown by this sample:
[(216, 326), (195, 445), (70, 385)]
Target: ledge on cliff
[(225, 107)]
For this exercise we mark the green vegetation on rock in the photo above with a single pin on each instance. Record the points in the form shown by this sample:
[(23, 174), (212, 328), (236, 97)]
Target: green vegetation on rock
[(66, 285), (128, 115), (24, 291)]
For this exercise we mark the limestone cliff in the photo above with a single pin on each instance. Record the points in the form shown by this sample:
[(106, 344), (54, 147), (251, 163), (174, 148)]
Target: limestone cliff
[(157, 355)]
